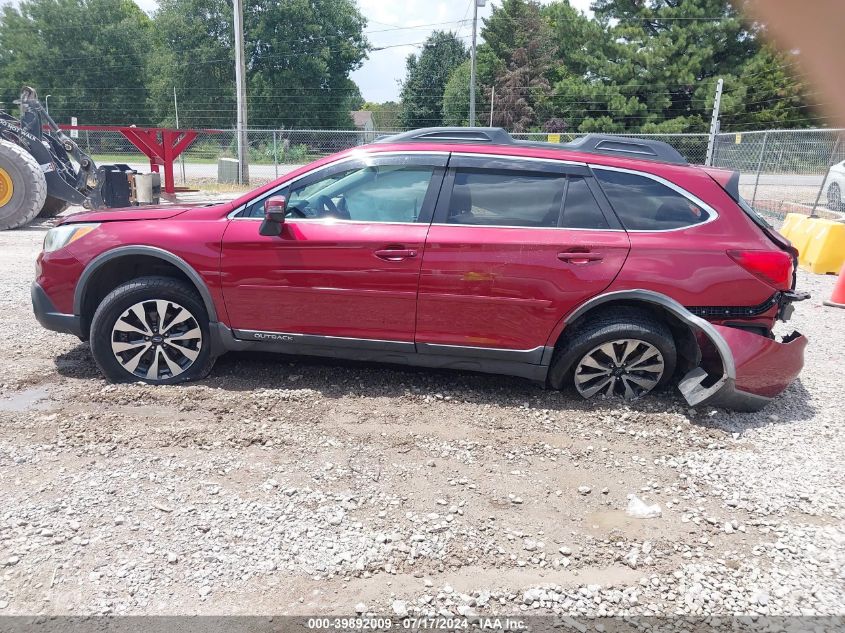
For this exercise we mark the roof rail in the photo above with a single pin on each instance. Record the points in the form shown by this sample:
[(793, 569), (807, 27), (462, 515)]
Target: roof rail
[(493, 135), (606, 144), (611, 145)]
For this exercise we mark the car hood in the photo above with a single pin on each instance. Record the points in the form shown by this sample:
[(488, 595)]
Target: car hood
[(126, 215)]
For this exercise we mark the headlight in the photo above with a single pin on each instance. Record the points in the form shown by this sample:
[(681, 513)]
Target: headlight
[(61, 236)]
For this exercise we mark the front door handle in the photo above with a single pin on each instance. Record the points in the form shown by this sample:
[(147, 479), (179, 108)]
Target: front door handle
[(395, 254), (579, 257)]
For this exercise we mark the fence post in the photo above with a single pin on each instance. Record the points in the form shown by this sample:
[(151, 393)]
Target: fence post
[(714, 123), (759, 167), (275, 155), (824, 180)]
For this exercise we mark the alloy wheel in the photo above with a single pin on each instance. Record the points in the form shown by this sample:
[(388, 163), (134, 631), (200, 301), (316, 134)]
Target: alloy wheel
[(625, 367), (156, 339)]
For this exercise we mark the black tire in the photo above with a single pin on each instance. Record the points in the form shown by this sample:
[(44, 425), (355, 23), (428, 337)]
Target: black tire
[(834, 197), (622, 323), (148, 289), (28, 186), (53, 207)]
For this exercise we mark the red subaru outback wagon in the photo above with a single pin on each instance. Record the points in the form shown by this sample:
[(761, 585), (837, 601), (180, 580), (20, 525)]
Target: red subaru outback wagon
[(609, 265)]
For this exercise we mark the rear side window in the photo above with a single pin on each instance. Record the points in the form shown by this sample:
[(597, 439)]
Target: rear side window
[(525, 199), (643, 204), (581, 211), (506, 198)]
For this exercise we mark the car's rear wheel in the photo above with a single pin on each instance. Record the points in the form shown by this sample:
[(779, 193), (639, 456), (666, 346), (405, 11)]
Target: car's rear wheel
[(834, 197), (627, 354), (153, 329)]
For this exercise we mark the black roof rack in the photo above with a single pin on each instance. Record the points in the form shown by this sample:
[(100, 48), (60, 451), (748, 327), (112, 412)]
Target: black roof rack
[(493, 135), (611, 145), (606, 144)]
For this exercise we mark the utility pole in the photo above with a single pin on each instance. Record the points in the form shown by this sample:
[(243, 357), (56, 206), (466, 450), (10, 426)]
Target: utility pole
[(240, 87), (475, 5), (492, 103), (714, 124)]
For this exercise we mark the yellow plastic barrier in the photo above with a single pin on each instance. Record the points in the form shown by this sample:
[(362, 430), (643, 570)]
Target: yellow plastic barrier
[(820, 243)]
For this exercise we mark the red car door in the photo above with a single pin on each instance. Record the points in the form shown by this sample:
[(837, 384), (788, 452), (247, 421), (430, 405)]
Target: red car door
[(348, 258), (515, 245)]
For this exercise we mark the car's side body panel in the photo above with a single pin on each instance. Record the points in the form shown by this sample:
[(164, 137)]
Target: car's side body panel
[(323, 278), (506, 287)]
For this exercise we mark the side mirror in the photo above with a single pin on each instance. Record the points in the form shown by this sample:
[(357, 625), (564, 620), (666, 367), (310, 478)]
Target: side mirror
[(274, 216)]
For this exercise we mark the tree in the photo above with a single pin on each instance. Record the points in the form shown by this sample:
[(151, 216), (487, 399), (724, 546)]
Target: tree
[(663, 59), (519, 40), (299, 54), (94, 72), (385, 115), (456, 95), (426, 77), (194, 46)]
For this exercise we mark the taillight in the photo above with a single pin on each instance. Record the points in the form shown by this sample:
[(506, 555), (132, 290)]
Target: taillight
[(773, 267)]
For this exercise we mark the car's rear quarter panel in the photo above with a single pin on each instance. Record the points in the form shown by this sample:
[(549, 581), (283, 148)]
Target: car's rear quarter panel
[(692, 265)]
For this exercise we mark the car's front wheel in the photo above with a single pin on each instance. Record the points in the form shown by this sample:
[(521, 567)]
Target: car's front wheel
[(625, 355), (154, 330)]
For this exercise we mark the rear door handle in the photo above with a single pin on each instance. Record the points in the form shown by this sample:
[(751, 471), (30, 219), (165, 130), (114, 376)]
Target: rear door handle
[(395, 254), (576, 257)]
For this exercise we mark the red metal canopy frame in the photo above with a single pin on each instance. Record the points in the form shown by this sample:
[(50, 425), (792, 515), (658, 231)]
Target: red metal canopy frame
[(161, 145)]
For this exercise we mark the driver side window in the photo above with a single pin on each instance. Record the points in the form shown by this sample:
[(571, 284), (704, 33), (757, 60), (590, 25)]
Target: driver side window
[(378, 193)]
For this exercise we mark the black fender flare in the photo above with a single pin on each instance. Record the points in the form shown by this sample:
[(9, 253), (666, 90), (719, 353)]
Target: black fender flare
[(676, 309), (151, 251)]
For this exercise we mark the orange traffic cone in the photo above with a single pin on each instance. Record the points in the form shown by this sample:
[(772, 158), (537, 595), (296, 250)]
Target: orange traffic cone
[(837, 299)]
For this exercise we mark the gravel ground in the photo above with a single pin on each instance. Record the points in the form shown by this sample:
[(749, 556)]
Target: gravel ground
[(296, 486)]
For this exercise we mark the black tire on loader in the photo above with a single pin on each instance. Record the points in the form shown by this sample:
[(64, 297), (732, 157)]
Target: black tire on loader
[(53, 207), (23, 187)]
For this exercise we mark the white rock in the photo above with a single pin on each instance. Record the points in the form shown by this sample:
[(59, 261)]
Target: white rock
[(584, 490), (360, 608), (400, 608), (531, 596), (639, 509)]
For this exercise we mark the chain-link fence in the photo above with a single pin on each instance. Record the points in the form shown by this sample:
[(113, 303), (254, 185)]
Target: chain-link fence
[(782, 171), (787, 171)]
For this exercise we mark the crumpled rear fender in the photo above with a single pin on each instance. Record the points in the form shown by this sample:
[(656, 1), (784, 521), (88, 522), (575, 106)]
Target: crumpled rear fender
[(738, 370), (754, 369)]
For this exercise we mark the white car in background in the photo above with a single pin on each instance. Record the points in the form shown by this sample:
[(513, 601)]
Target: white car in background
[(835, 187)]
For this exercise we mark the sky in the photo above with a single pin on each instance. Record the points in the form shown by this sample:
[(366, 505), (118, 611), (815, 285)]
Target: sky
[(405, 22)]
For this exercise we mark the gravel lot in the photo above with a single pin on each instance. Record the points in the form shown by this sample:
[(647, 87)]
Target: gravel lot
[(296, 486)]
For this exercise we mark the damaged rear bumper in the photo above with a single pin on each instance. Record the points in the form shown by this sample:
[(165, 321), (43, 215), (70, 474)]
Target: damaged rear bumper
[(734, 368), (742, 370)]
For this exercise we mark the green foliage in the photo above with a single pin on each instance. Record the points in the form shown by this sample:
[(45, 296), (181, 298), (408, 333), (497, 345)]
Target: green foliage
[(385, 115), (456, 96), (299, 54), (89, 55), (640, 66), (426, 77)]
